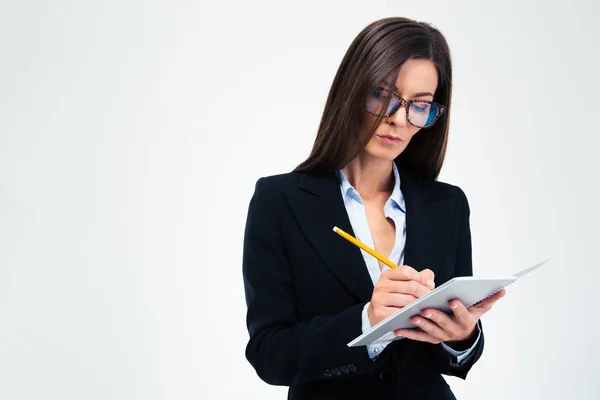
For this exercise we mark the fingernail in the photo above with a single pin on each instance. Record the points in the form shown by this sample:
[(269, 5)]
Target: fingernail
[(418, 321), (430, 283), (428, 315), (454, 306)]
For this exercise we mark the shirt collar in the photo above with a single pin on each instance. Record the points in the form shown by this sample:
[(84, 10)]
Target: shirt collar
[(347, 188), (397, 199), (397, 196)]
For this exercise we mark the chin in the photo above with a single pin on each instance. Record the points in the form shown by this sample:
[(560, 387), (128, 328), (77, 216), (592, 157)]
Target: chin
[(385, 154)]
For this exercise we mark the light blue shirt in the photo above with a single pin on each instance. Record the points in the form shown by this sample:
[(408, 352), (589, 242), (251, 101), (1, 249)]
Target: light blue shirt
[(395, 210)]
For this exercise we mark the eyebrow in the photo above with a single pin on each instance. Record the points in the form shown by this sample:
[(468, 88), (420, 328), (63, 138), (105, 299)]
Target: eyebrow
[(419, 94)]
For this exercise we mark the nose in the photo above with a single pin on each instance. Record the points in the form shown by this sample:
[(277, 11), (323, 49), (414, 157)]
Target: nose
[(399, 117)]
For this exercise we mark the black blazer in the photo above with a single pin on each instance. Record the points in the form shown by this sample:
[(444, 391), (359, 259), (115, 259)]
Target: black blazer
[(306, 287)]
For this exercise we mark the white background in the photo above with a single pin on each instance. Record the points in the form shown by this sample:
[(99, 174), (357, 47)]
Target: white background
[(131, 136)]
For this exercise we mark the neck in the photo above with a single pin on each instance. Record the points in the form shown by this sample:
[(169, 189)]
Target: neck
[(370, 176)]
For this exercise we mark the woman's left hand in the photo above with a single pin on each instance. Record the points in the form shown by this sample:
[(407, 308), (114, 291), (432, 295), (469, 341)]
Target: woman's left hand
[(437, 326)]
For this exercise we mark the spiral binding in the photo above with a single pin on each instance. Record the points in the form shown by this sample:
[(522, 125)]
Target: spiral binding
[(491, 294)]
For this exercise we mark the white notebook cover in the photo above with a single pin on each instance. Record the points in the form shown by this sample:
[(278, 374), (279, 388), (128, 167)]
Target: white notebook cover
[(469, 290)]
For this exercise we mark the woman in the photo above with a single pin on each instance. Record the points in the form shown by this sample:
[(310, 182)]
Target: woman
[(372, 172)]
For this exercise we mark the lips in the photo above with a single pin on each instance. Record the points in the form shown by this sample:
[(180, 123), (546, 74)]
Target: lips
[(390, 137)]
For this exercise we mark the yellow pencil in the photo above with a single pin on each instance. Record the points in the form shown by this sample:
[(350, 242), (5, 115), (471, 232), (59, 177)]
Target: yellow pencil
[(363, 246)]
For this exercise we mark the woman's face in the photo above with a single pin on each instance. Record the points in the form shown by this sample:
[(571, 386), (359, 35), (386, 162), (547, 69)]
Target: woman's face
[(416, 80)]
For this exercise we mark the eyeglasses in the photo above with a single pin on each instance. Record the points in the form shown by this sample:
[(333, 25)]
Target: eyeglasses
[(419, 113)]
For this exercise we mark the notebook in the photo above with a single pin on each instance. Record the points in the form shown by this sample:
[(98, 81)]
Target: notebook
[(469, 290)]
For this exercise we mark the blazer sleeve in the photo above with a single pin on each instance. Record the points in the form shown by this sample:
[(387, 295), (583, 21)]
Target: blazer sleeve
[(282, 349), (445, 362)]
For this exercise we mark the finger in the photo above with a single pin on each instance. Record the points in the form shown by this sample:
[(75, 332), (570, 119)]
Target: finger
[(486, 305), (428, 278), (498, 295), (438, 325), (403, 273), (409, 287), (418, 335), (494, 298), (397, 300), (462, 315)]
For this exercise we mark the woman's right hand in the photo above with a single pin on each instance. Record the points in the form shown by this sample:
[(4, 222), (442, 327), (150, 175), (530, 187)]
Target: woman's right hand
[(395, 289)]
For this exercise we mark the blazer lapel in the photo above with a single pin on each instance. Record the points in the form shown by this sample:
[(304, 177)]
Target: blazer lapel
[(318, 207), (428, 224)]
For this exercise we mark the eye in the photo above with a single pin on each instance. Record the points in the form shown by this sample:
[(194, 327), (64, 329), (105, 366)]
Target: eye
[(421, 107)]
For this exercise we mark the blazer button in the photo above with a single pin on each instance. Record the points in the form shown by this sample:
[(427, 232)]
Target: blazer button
[(352, 367), (344, 369), (327, 373), (336, 372), (387, 375)]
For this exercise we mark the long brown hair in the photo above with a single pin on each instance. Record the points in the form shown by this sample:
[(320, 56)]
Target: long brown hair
[(377, 54)]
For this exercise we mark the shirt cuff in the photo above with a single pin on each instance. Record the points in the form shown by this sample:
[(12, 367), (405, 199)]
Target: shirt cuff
[(461, 355), (374, 349)]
